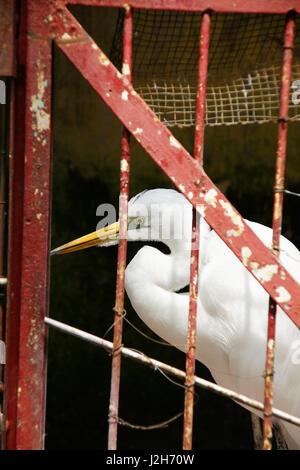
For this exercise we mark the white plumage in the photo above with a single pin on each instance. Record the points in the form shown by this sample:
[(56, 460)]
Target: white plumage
[(232, 305)]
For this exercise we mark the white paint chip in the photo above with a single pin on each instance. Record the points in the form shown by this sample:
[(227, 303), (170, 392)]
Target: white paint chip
[(125, 95), (236, 219), (174, 142), (138, 131), (125, 69), (283, 294), (201, 209), (210, 197), (124, 165), (66, 37), (246, 253), (264, 273)]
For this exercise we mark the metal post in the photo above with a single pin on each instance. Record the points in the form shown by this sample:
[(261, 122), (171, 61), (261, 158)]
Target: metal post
[(4, 149), (277, 218), (122, 252), (198, 154), (29, 241), (15, 224)]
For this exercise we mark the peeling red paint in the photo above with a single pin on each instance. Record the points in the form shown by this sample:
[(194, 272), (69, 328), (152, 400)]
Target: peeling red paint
[(194, 276), (122, 252), (29, 241), (283, 292)]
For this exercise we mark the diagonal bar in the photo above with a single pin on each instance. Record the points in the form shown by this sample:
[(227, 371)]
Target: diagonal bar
[(117, 92)]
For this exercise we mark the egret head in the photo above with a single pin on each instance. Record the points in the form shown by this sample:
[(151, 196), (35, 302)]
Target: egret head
[(158, 214)]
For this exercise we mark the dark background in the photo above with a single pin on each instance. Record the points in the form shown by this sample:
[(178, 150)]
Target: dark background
[(240, 160)]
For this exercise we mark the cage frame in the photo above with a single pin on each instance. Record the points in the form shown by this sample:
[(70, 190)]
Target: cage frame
[(30, 190)]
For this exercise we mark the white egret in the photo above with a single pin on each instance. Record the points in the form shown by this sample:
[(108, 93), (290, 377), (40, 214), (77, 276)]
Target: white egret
[(232, 305)]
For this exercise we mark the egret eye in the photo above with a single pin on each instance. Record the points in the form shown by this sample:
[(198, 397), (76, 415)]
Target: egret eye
[(139, 222)]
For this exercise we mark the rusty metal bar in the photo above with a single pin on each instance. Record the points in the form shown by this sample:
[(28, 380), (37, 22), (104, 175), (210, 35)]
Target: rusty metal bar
[(158, 365), (198, 155), (4, 146), (29, 242), (277, 218), (122, 251), (15, 230), (221, 6), (3, 155), (7, 69), (184, 171)]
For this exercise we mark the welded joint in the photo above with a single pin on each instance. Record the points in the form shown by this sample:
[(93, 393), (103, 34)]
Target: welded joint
[(283, 119)]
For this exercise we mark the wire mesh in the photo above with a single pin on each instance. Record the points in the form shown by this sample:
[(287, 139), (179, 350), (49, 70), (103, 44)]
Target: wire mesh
[(243, 71)]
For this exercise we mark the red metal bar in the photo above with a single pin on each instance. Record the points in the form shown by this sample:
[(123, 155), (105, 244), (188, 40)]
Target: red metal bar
[(4, 147), (29, 263), (277, 217), (198, 154), (222, 6), (168, 153), (122, 252), (35, 241), (7, 69), (15, 230), (7, 38)]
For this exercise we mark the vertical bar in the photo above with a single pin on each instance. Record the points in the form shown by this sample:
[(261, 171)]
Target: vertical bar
[(198, 154), (15, 229), (30, 263), (4, 147), (277, 217), (122, 252), (8, 69)]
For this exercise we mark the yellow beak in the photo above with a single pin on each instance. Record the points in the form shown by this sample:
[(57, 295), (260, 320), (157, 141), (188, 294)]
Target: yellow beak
[(103, 236)]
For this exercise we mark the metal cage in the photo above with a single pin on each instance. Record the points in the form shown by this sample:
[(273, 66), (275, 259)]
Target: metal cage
[(26, 59)]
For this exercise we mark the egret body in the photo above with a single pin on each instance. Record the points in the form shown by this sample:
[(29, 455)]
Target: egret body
[(232, 313)]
